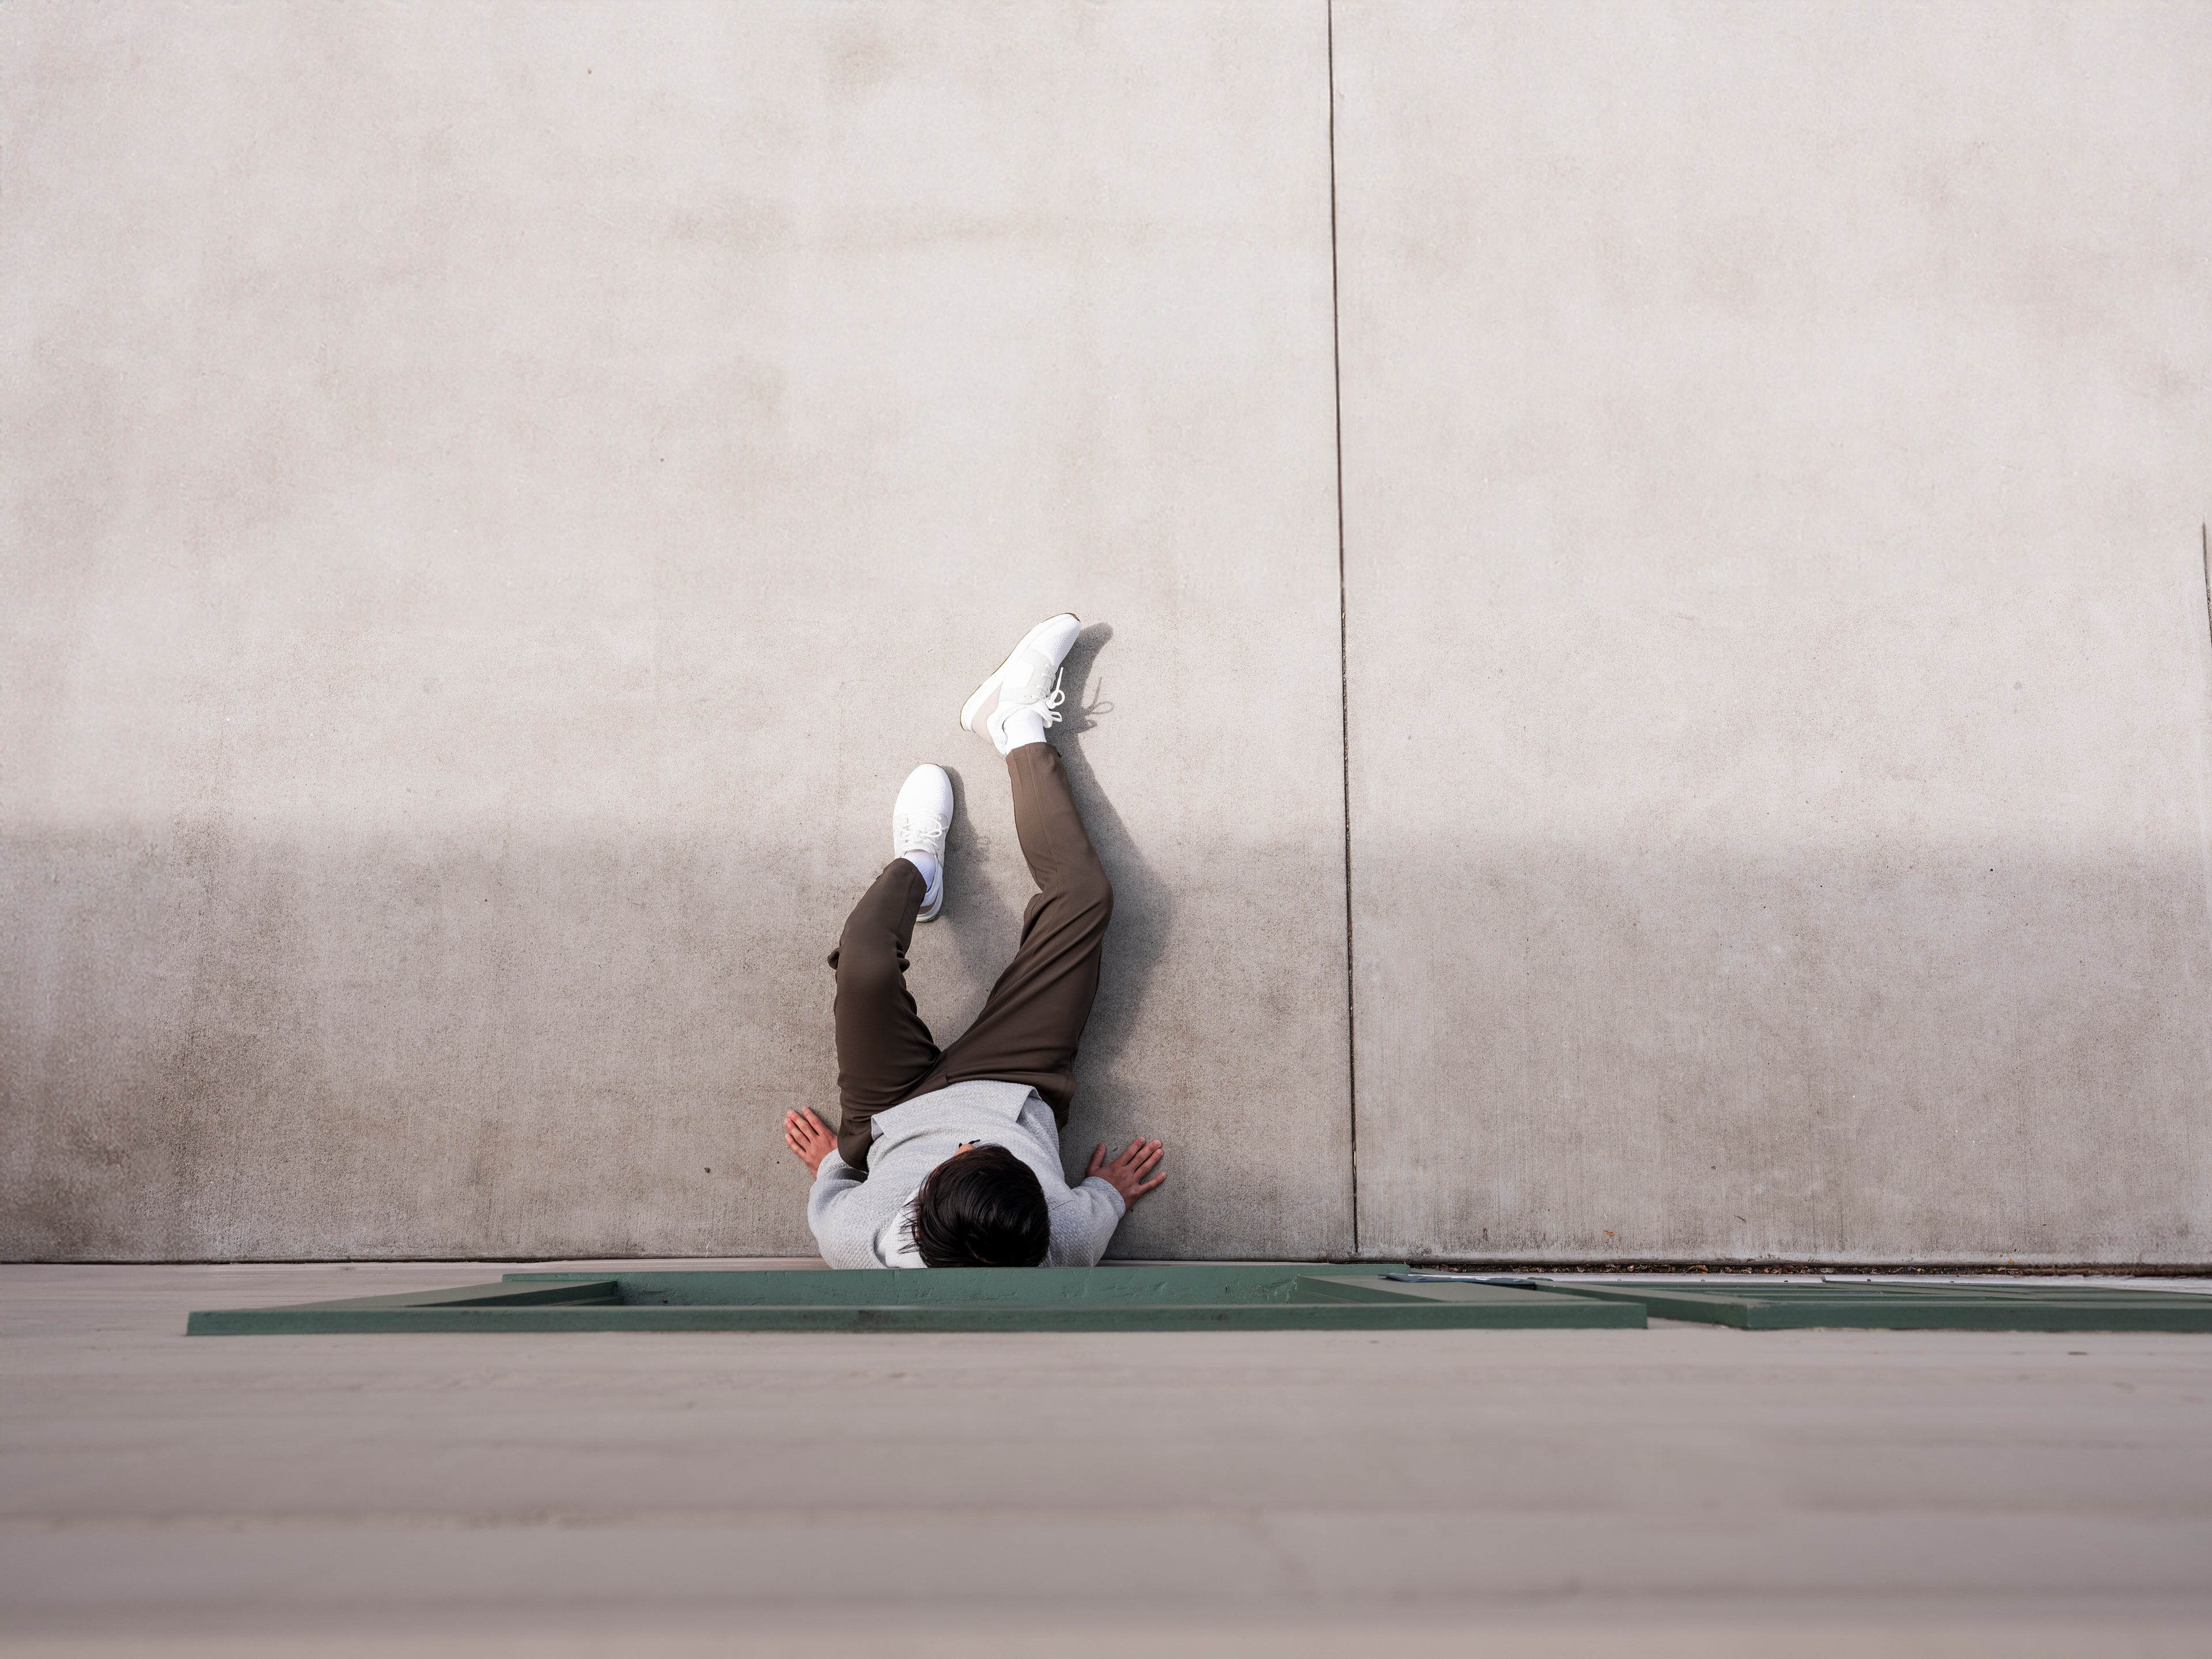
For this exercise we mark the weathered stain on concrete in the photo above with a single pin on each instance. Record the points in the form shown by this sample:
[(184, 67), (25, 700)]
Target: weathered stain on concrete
[(495, 503), (1775, 444)]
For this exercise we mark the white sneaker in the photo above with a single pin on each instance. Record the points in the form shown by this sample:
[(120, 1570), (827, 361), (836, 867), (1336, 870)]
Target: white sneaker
[(922, 818), (1029, 678)]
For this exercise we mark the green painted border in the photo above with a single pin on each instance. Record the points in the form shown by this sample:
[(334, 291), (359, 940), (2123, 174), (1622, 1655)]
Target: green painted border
[(1908, 1307), (1273, 1297), (1172, 1282), (1292, 1296)]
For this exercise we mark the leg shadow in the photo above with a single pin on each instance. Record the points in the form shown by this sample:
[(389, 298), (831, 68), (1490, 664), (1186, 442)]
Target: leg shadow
[(1106, 1102)]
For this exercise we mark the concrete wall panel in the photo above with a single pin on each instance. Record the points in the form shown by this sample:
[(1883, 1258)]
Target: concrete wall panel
[(1775, 443), (496, 500)]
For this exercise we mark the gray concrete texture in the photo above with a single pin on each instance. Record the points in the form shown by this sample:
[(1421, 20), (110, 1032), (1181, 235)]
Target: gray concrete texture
[(1684, 1491), (494, 498), (1776, 439), (504, 497)]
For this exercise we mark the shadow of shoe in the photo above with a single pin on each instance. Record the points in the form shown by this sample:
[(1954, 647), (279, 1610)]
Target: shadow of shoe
[(1078, 716)]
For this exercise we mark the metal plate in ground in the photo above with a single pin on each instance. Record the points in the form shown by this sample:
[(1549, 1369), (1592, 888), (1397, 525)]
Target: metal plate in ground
[(1273, 1296), (1908, 1307)]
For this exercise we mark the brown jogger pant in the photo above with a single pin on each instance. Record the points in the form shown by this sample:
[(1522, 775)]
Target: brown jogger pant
[(1035, 1015)]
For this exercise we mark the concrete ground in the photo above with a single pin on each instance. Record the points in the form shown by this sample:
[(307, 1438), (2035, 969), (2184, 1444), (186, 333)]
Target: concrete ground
[(1681, 1490), (1647, 695)]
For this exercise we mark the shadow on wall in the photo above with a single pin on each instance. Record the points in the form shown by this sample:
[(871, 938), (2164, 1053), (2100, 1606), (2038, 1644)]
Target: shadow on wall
[(232, 1045), (1144, 912), (1881, 1052), (216, 1043)]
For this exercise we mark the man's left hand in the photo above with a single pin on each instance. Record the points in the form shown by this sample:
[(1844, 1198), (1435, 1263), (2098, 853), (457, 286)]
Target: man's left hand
[(1126, 1173)]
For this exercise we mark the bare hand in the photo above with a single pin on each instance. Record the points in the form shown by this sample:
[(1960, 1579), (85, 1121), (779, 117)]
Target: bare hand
[(809, 1139), (1126, 1173)]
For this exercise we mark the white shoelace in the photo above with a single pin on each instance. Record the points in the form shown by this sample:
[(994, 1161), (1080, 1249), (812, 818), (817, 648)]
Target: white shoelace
[(1049, 708), (925, 833)]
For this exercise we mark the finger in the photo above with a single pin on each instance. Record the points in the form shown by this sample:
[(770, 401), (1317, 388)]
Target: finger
[(1148, 1162), (1156, 1181)]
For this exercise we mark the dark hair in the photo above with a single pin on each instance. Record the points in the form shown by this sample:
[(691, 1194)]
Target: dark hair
[(983, 1208)]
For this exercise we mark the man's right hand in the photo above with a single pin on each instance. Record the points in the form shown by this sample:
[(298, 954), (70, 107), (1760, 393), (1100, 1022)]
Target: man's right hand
[(809, 1139), (1126, 1173)]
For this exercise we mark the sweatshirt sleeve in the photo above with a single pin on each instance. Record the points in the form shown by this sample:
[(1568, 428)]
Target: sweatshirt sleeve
[(1094, 1210), (842, 1238)]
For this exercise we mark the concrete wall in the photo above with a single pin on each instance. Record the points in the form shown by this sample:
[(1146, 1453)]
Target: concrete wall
[(1775, 440), (500, 498), (493, 500)]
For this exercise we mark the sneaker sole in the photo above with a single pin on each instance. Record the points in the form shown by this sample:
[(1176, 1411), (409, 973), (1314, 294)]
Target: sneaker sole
[(975, 698)]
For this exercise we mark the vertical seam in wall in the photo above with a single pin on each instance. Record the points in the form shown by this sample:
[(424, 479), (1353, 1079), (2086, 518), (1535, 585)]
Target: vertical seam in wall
[(2205, 819), (1343, 634), (2203, 535)]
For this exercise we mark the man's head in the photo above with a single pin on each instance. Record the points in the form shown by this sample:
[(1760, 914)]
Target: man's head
[(981, 1207)]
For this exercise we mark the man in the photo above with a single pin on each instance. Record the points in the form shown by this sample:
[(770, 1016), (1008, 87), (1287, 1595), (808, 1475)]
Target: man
[(951, 1159)]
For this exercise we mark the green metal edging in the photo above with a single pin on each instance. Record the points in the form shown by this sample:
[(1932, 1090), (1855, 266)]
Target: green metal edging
[(1239, 1295), (1904, 1307), (1290, 1296)]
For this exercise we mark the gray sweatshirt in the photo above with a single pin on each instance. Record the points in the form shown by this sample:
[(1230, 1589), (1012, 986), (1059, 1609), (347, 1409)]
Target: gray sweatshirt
[(848, 1213)]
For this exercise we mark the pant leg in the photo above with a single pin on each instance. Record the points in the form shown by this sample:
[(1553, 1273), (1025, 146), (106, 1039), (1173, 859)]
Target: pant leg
[(1034, 1017), (883, 1048)]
